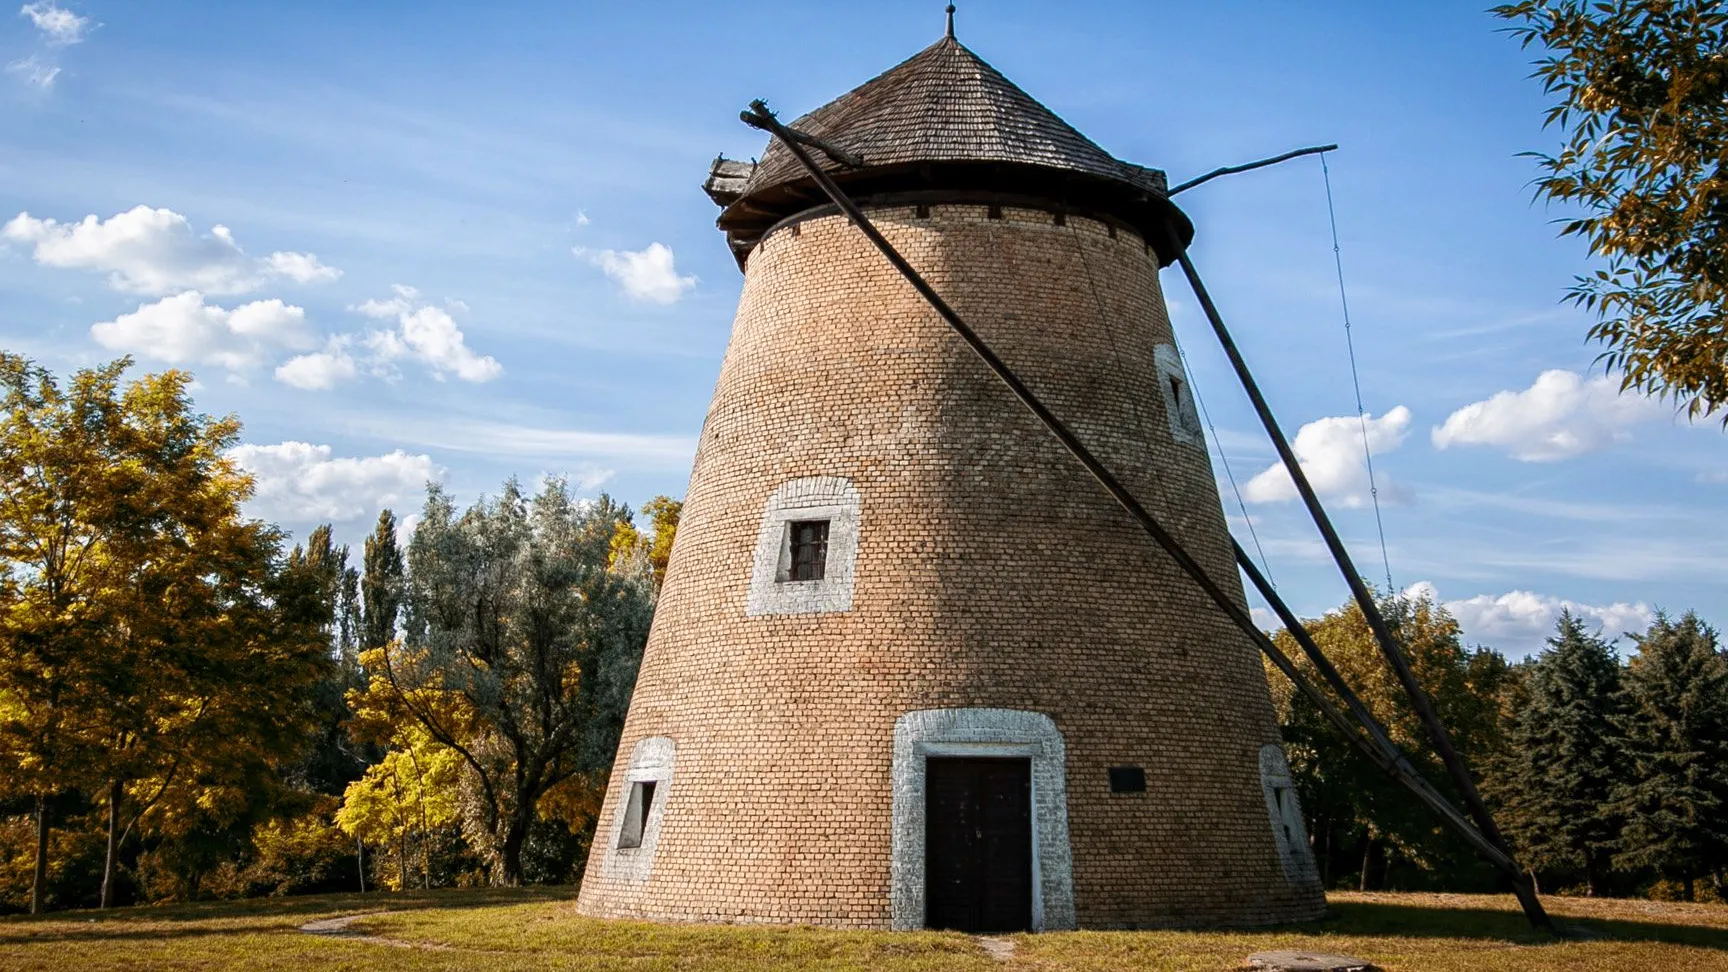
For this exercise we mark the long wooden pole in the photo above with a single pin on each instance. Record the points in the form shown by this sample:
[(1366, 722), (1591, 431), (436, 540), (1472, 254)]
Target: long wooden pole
[(1419, 700)]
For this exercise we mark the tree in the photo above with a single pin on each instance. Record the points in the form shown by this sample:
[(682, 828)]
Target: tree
[(139, 611), (521, 647), (1642, 91), (655, 549), (1565, 755), (381, 584), (412, 790), (1345, 795), (1676, 727)]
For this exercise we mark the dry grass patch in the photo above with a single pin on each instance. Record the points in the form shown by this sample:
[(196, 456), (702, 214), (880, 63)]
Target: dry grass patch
[(536, 928)]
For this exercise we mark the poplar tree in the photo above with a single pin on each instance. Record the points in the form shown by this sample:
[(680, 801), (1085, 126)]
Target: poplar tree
[(1676, 724), (1564, 756), (380, 584)]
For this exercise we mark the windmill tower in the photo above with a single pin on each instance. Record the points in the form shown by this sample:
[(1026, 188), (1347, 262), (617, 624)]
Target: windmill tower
[(911, 667)]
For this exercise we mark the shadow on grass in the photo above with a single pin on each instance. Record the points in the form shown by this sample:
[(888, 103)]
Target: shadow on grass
[(202, 918), (1374, 919)]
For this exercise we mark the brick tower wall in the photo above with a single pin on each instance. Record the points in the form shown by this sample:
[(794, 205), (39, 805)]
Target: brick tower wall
[(991, 571)]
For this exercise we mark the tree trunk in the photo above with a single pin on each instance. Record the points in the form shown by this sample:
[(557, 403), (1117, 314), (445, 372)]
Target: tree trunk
[(39, 878), (360, 851), (402, 859), (1367, 855), (1686, 889), (1326, 859), (1596, 874), (514, 838), (113, 843)]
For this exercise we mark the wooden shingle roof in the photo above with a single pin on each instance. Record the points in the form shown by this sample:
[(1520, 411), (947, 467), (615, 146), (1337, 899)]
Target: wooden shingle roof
[(944, 119), (946, 103)]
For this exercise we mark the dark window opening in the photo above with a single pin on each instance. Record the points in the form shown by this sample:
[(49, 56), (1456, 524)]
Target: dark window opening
[(636, 814), (1183, 405), (1127, 779), (1279, 795), (809, 541)]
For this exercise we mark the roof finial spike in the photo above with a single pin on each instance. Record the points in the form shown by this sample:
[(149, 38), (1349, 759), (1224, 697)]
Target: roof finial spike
[(950, 31)]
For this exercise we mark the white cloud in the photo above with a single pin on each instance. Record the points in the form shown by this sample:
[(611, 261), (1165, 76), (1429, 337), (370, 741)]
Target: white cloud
[(156, 251), (184, 330), (1559, 416), (426, 334), (647, 275), (59, 28), (298, 482), (1330, 451), (58, 25), (1519, 621), (320, 370), (35, 70), (300, 267)]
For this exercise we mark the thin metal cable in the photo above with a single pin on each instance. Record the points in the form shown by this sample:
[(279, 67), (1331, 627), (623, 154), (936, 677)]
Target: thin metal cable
[(1098, 302), (1355, 380)]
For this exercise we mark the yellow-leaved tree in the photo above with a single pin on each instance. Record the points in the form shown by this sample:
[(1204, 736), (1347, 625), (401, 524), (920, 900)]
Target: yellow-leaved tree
[(149, 638)]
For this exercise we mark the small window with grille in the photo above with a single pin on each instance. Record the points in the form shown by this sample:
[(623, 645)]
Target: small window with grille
[(808, 540)]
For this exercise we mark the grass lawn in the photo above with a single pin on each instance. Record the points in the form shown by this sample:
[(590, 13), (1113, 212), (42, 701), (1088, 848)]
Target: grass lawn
[(535, 928)]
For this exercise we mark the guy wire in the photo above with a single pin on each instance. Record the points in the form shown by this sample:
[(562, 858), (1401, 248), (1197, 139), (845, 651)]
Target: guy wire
[(1355, 380)]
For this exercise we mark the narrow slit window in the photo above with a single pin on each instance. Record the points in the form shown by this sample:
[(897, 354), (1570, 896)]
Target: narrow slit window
[(1183, 401), (636, 814), (809, 541), (1281, 795)]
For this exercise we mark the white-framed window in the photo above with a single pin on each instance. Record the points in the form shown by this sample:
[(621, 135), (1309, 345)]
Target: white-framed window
[(639, 808), (1178, 396), (806, 548), (1285, 813)]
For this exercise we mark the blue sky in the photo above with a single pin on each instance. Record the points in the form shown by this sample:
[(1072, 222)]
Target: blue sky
[(468, 241)]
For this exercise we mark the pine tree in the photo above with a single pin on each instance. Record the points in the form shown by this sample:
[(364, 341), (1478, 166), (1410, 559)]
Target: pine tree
[(1564, 756), (1676, 726)]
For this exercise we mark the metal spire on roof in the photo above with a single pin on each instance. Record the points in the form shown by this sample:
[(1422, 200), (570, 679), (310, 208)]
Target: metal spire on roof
[(950, 31)]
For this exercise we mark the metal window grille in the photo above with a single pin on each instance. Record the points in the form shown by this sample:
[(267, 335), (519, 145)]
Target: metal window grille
[(809, 550)]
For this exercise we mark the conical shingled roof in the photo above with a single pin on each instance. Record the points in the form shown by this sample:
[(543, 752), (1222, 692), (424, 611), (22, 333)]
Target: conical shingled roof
[(947, 104), (943, 106)]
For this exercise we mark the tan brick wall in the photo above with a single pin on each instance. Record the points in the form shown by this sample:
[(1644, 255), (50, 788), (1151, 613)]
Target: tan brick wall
[(991, 571)]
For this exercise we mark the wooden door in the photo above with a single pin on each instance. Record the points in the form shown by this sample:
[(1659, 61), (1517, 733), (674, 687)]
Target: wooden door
[(978, 844)]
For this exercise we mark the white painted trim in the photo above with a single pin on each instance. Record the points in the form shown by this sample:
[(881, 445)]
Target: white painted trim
[(830, 498), (1184, 417), (982, 732), (651, 759), (1284, 811)]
